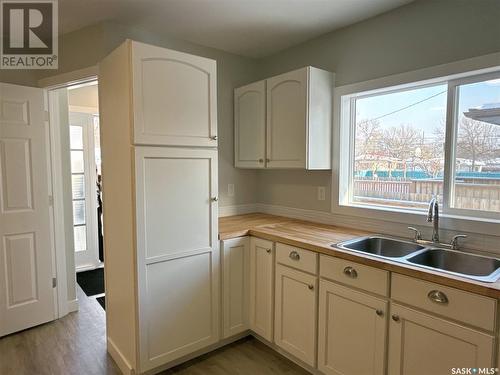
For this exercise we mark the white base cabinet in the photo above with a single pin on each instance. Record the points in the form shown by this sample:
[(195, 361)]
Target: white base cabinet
[(296, 313), (235, 254), (352, 331), (262, 287), (424, 344)]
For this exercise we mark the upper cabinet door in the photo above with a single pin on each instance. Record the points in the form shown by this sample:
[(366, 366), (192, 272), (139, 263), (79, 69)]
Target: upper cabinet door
[(286, 120), (250, 125), (175, 97)]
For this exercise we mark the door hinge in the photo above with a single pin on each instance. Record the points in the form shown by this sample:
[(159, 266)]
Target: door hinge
[(54, 282), (51, 200)]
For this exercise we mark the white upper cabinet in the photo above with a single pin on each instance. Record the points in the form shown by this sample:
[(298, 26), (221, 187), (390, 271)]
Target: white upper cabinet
[(298, 125), (175, 97), (250, 125)]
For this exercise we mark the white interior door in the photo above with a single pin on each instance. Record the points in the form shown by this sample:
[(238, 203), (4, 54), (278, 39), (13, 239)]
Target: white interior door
[(26, 291), (84, 190), (177, 252)]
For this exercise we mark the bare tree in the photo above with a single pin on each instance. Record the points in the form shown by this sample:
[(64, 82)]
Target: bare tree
[(368, 135), (400, 142), (477, 141)]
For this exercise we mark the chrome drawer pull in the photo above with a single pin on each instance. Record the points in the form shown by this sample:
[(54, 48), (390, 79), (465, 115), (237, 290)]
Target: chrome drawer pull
[(438, 297), (294, 255), (395, 317), (379, 312), (268, 251), (350, 272), (310, 286)]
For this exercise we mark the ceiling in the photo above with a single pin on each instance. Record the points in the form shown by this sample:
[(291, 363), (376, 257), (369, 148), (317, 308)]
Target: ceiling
[(252, 28)]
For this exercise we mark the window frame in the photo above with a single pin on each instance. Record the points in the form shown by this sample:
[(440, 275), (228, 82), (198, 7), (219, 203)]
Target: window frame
[(344, 128)]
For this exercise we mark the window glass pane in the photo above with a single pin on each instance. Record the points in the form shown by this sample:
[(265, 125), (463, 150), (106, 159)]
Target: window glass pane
[(80, 238), (399, 147), (78, 212), (78, 184), (76, 161), (76, 137), (477, 154)]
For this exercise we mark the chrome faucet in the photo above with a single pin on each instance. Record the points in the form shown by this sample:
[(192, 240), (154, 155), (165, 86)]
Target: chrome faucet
[(433, 217)]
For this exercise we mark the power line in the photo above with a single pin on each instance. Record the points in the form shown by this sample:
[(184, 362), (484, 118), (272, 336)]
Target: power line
[(409, 106)]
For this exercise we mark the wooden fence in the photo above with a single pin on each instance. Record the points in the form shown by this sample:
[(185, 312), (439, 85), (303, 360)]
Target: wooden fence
[(480, 194)]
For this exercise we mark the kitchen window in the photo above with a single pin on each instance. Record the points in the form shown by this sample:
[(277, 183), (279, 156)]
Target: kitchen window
[(411, 143)]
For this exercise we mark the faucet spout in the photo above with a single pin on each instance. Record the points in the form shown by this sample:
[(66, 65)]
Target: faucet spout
[(433, 217)]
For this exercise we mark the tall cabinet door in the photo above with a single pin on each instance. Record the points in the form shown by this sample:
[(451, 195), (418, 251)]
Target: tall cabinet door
[(235, 296), (174, 96), (177, 252), (261, 287), (296, 308), (352, 331), (250, 125), (423, 344), (286, 120)]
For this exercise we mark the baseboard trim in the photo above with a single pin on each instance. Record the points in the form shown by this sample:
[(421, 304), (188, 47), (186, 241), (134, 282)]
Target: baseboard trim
[(237, 209), (72, 305), (119, 359)]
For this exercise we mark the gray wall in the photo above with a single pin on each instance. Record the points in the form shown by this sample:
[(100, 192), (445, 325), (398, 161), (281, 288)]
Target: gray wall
[(422, 34)]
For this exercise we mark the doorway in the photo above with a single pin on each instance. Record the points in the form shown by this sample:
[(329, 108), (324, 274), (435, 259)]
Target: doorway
[(79, 127)]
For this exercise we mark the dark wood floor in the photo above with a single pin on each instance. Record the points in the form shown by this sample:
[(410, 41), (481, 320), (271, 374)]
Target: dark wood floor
[(76, 344)]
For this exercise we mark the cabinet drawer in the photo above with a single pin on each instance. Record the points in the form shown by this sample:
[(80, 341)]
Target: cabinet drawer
[(354, 274), (295, 257), (456, 304)]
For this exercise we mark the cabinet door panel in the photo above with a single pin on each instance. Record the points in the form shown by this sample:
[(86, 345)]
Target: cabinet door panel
[(352, 335), (296, 307), (286, 120), (424, 344), (235, 286), (177, 252), (174, 97), (261, 287), (250, 125)]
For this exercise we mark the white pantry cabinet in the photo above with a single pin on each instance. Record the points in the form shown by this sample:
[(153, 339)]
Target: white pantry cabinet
[(250, 125), (352, 331), (424, 344), (160, 206), (298, 121), (296, 313), (262, 287), (177, 253), (235, 255), (175, 97)]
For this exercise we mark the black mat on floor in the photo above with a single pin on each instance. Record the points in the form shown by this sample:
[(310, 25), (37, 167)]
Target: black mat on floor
[(91, 282), (102, 301)]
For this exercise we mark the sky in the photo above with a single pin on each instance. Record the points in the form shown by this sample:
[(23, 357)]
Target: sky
[(428, 114)]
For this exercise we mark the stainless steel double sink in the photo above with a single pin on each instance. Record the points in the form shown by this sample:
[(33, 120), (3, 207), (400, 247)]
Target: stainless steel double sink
[(476, 267)]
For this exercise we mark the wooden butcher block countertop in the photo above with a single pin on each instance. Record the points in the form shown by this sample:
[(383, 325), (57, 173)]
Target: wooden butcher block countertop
[(319, 238)]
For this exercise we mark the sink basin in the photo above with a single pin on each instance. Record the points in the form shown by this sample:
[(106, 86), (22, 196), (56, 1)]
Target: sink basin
[(381, 246), (477, 267)]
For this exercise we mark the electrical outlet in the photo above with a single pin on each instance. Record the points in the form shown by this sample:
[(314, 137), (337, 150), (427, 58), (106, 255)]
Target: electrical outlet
[(230, 190), (321, 193)]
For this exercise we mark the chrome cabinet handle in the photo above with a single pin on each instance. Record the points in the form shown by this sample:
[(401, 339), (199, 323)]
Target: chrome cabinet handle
[(395, 317), (350, 272), (214, 137), (215, 199), (438, 297), (379, 312), (268, 251), (294, 255), (310, 286), (261, 160)]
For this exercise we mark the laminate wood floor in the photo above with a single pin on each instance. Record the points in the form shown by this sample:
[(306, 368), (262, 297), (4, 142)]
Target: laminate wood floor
[(76, 344)]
